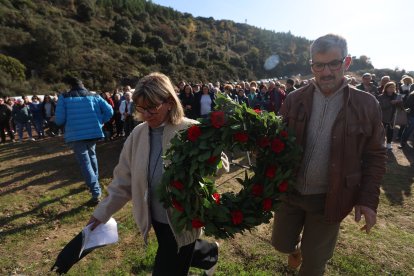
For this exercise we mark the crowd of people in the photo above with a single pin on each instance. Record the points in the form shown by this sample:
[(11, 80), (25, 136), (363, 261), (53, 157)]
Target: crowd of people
[(397, 105), (19, 114), (24, 113)]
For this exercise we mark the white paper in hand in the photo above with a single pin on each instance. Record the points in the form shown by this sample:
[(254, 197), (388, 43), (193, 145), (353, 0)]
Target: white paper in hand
[(103, 234)]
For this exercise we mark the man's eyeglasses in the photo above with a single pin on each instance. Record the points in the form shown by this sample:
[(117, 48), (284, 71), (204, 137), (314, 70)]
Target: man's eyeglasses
[(152, 110), (333, 65)]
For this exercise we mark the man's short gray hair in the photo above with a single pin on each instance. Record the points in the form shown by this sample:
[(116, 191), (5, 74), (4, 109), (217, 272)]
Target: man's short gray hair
[(327, 42)]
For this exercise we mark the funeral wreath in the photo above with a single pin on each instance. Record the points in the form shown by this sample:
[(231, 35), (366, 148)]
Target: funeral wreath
[(188, 184)]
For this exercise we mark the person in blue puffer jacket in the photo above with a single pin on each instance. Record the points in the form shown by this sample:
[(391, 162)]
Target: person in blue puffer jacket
[(83, 114), (38, 120)]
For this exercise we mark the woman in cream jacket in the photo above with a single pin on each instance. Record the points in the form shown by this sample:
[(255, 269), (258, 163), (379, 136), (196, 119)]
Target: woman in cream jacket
[(139, 172)]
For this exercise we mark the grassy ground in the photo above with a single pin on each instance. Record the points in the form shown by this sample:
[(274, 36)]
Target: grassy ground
[(43, 206)]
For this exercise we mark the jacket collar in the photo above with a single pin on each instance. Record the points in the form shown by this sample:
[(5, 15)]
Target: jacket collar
[(308, 91)]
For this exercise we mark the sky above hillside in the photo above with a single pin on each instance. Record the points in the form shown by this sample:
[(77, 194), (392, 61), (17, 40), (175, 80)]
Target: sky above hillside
[(380, 29)]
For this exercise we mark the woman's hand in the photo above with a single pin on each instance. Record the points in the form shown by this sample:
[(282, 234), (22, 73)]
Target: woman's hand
[(95, 222)]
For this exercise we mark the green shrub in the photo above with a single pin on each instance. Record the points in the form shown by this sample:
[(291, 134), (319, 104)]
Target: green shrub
[(12, 67), (121, 35), (155, 42), (85, 10), (240, 47), (146, 56), (165, 57), (138, 38), (238, 62), (191, 58)]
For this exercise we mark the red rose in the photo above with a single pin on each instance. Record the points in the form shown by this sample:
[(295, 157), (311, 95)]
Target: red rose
[(284, 133), (277, 145), (267, 204), (257, 189), (193, 133), (258, 111), (271, 171), (283, 186), (236, 217), (212, 160), (241, 137), (263, 142), (217, 119), (216, 197), (177, 205), (196, 223), (177, 184)]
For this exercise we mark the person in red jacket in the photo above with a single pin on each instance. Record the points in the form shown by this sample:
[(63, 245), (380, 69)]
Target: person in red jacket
[(108, 127), (343, 162)]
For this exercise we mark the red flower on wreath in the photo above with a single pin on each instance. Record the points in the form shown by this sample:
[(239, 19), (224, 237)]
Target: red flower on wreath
[(258, 111), (177, 205), (193, 133), (212, 160), (177, 184), (196, 223), (283, 186), (284, 133), (241, 137), (263, 142), (257, 189), (217, 119), (267, 204), (236, 217), (277, 145), (216, 197), (271, 171)]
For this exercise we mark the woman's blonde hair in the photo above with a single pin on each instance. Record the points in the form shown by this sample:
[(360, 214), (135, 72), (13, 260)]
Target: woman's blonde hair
[(408, 79), (155, 89)]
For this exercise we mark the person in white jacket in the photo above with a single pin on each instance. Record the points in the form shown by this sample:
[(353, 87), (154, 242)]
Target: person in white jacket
[(126, 109), (139, 173)]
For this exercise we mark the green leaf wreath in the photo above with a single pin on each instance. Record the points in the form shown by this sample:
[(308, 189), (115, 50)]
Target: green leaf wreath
[(188, 184)]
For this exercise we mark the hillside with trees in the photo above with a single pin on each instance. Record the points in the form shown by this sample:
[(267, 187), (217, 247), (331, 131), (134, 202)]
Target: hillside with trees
[(108, 43)]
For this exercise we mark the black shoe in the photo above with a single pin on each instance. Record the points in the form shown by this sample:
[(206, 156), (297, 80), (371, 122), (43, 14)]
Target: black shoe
[(94, 201)]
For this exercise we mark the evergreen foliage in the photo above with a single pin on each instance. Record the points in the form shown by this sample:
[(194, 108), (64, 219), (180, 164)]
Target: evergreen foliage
[(138, 38), (109, 41), (12, 68), (85, 10), (155, 42)]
